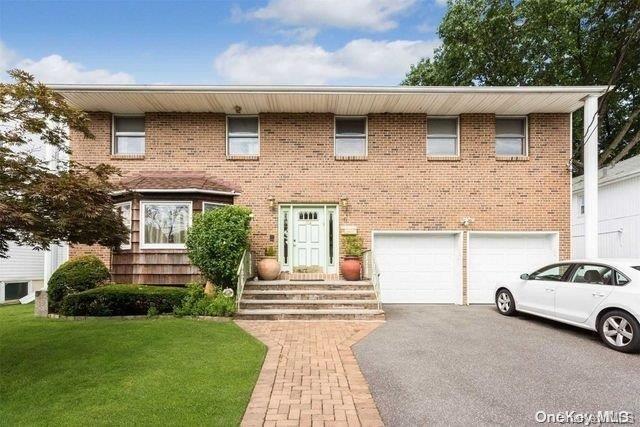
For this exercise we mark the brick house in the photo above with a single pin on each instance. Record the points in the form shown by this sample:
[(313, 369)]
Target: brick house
[(452, 189)]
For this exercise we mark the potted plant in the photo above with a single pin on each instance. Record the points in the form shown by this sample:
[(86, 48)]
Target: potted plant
[(351, 264), (268, 266)]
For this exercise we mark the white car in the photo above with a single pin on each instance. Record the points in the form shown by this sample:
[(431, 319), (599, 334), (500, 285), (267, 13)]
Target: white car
[(601, 294)]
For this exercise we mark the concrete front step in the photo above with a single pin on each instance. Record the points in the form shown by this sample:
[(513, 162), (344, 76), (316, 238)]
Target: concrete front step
[(307, 285), (305, 294), (308, 304), (317, 314)]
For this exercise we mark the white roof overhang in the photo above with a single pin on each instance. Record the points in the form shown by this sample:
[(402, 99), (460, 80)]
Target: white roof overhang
[(347, 100)]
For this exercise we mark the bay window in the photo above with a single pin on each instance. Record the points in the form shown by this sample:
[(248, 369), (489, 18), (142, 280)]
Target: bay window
[(164, 224)]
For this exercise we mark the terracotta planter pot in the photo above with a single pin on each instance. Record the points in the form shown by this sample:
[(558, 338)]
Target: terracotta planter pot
[(351, 267), (268, 268)]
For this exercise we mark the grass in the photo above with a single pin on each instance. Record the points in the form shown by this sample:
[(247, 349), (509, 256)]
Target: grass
[(163, 371)]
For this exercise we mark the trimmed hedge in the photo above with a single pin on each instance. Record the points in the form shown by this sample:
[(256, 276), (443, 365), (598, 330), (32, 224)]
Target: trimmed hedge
[(76, 275), (123, 300)]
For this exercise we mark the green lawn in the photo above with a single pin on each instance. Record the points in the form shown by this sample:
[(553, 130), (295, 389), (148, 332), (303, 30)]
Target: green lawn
[(164, 371)]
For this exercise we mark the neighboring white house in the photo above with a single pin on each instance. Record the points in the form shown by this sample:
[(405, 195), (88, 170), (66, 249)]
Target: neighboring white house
[(619, 212), (27, 270)]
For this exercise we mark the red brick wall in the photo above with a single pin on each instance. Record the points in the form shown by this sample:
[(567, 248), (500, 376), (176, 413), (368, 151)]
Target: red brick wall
[(396, 188)]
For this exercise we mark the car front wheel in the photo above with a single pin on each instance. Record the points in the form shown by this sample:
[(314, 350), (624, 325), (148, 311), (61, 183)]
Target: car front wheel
[(620, 331), (505, 302)]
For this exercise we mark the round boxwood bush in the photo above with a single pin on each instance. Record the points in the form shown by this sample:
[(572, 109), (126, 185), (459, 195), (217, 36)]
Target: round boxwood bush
[(216, 241), (76, 275)]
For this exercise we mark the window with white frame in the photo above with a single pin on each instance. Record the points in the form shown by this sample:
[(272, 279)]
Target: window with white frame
[(128, 134), (164, 224), (243, 136), (125, 212), (511, 136), (209, 206), (442, 136), (350, 137)]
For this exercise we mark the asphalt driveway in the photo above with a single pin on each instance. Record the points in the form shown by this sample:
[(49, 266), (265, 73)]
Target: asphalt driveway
[(470, 365)]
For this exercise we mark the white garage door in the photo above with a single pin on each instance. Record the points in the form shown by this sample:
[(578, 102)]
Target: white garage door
[(498, 257), (418, 267)]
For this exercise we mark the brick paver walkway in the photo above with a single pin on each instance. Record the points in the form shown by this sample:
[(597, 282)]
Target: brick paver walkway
[(310, 376)]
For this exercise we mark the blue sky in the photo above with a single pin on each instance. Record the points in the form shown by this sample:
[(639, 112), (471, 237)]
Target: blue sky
[(218, 42)]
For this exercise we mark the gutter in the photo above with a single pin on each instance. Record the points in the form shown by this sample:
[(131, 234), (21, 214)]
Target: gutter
[(175, 190), (328, 90)]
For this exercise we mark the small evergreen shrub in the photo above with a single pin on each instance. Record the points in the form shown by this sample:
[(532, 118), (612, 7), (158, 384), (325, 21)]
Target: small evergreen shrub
[(216, 241), (353, 245), (76, 275), (197, 303), (123, 300)]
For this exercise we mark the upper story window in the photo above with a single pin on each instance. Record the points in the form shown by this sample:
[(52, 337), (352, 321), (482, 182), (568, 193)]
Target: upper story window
[(125, 212), (511, 136), (350, 137), (243, 136), (128, 134), (442, 136)]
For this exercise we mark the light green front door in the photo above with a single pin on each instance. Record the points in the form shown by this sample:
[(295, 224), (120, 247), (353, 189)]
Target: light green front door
[(309, 251)]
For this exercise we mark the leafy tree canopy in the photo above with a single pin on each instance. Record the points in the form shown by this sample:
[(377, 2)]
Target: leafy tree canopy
[(41, 205), (547, 42)]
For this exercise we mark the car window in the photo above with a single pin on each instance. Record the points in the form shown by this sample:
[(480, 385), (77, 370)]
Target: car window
[(552, 272), (621, 279), (594, 274)]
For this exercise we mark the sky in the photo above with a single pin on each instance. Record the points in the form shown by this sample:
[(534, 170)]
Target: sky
[(340, 42)]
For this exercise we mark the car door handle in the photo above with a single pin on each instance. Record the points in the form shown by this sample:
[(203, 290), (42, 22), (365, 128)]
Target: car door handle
[(597, 294), (549, 290)]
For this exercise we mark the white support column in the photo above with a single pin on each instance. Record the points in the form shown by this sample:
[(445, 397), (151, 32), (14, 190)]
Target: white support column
[(591, 176)]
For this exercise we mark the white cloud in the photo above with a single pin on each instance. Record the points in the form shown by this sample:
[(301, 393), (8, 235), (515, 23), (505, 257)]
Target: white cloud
[(372, 15), (361, 61), (56, 69), (7, 56), (441, 2)]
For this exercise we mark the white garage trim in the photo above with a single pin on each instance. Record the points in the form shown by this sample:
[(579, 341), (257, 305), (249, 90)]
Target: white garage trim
[(555, 255), (457, 262)]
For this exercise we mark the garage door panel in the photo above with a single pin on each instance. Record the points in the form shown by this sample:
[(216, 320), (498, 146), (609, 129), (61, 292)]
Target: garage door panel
[(496, 258), (418, 267)]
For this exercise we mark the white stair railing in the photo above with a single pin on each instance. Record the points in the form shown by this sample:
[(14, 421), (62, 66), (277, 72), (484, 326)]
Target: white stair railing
[(370, 271), (244, 273)]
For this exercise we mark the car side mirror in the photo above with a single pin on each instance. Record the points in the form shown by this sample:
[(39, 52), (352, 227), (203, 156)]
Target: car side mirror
[(524, 276)]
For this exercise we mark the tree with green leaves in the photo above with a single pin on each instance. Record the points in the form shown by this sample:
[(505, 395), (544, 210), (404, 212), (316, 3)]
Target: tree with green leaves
[(547, 42), (41, 204)]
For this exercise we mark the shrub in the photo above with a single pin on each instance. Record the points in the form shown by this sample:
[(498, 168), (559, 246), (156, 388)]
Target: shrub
[(352, 245), (216, 241), (76, 275), (197, 303), (123, 300)]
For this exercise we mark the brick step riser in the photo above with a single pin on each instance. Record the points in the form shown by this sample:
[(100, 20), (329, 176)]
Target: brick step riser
[(320, 306), (293, 316), (308, 297), (287, 287)]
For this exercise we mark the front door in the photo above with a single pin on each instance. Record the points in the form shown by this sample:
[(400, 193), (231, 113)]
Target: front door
[(308, 239)]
